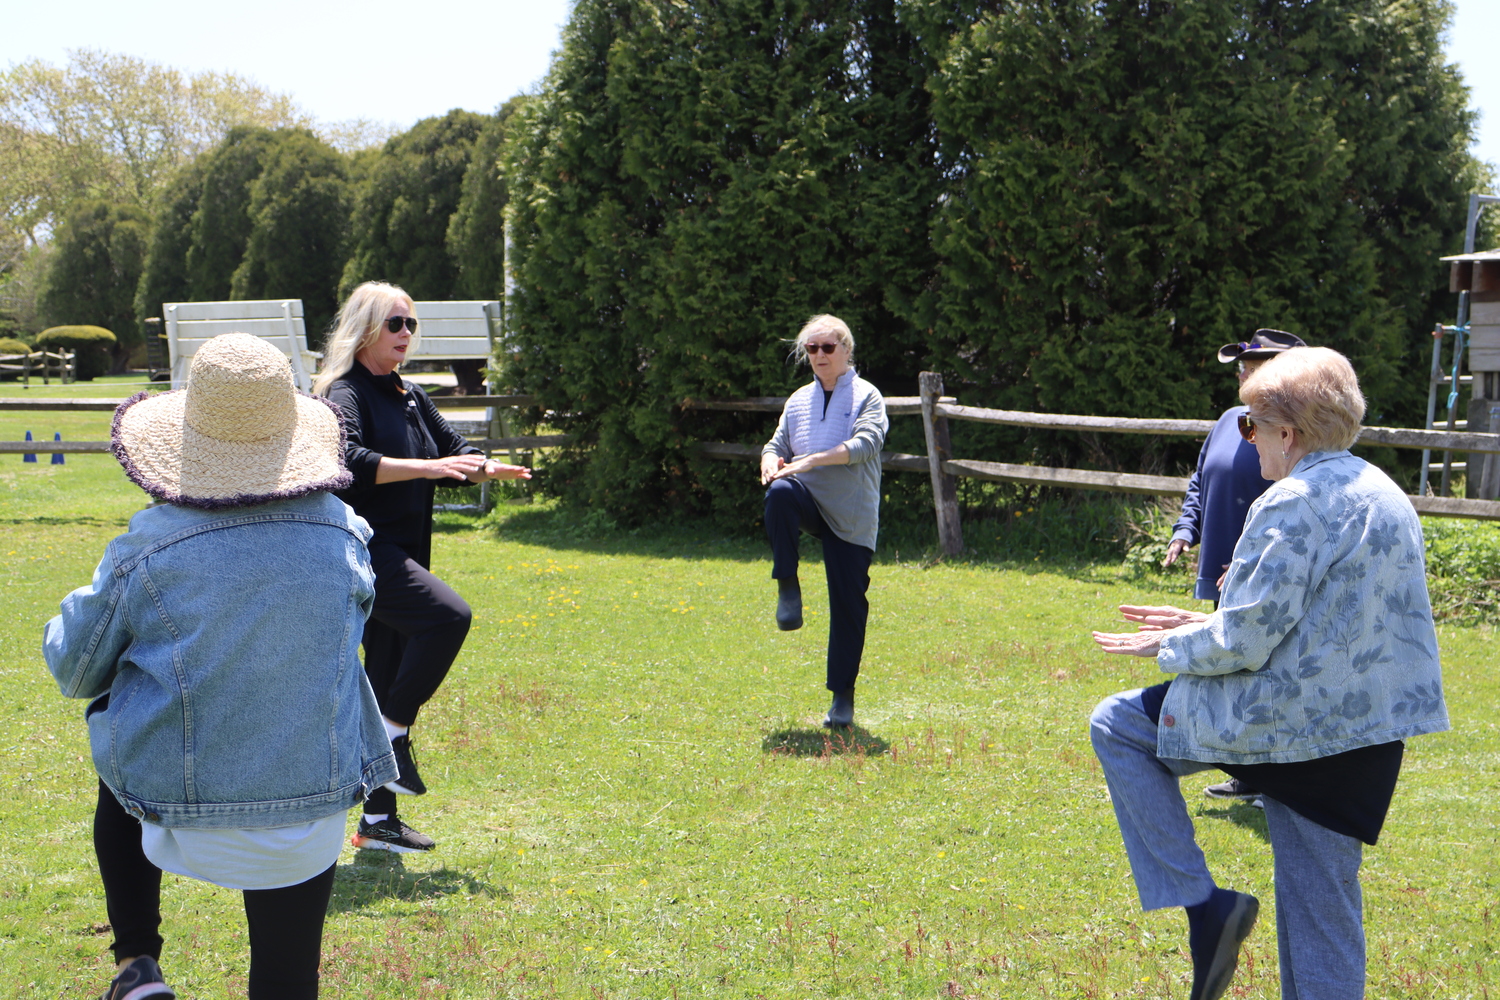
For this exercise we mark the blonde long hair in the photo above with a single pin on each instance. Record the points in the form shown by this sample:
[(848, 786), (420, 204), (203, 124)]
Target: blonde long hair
[(358, 326)]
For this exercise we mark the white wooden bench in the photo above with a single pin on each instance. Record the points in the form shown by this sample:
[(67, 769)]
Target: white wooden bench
[(456, 331), (279, 321)]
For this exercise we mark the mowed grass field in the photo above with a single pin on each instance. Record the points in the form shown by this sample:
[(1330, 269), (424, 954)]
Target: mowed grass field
[(633, 799)]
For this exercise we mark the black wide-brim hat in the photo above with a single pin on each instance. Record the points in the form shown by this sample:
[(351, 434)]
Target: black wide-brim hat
[(1262, 344)]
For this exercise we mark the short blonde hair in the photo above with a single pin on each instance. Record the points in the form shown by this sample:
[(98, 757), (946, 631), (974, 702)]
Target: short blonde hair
[(822, 323), (358, 326), (1312, 389)]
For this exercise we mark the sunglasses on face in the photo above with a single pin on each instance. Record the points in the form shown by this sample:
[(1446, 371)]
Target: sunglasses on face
[(1247, 427), (825, 348), (395, 323)]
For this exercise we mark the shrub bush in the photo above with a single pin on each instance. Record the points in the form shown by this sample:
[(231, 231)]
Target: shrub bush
[(92, 344), (1463, 569), (9, 345)]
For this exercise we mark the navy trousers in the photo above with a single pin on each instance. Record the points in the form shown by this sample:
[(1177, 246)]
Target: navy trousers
[(791, 510)]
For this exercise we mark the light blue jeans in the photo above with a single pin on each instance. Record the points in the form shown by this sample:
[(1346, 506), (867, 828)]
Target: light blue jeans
[(1320, 932)]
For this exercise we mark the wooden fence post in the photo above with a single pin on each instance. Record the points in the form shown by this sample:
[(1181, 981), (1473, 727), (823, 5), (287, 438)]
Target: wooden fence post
[(939, 450)]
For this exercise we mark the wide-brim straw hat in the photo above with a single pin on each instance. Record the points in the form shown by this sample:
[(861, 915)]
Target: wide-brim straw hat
[(239, 434)]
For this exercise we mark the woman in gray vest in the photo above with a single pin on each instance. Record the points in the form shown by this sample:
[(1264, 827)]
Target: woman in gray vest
[(822, 472)]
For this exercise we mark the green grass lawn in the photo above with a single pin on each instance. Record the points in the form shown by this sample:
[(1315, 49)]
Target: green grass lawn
[(632, 797)]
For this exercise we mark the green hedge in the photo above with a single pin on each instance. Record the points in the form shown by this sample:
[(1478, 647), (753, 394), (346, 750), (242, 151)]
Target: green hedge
[(1064, 206), (10, 346), (92, 344)]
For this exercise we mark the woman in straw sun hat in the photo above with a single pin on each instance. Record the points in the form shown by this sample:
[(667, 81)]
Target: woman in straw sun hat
[(231, 725), (398, 447)]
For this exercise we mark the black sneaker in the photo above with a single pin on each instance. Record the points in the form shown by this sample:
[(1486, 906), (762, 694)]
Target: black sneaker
[(1215, 938), (390, 834), (408, 781), (1234, 788), (788, 605), (141, 979), (841, 712)]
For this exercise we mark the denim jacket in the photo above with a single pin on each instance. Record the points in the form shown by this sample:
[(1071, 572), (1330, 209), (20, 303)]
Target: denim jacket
[(1323, 641), (221, 648)]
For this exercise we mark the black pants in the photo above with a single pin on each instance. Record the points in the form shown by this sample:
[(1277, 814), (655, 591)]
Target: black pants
[(790, 510), (286, 925), (411, 640)]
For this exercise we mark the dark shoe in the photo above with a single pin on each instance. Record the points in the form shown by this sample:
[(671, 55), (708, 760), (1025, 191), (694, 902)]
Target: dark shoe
[(141, 979), (408, 781), (841, 712), (1214, 938), (390, 834), (1234, 788), (789, 606)]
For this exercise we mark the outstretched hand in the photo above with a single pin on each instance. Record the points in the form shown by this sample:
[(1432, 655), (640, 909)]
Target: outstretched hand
[(1129, 643), (1159, 618)]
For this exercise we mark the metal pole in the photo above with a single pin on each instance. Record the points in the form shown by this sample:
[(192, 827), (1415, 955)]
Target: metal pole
[(1432, 391)]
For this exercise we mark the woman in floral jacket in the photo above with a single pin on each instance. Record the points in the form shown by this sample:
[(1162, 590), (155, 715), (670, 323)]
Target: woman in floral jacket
[(1321, 659)]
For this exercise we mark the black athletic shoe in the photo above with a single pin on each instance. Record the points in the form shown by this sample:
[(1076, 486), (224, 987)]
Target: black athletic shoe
[(1215, 938), (841, 712), (1234, 788), (141, 979), (408, 781), (390, 834), (789, 606)]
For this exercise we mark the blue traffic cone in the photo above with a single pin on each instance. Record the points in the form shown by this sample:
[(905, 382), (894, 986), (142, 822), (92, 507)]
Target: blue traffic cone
[(57, 456), (28, 457)]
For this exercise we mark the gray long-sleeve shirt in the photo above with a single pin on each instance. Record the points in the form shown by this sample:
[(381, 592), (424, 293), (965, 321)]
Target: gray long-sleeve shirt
[(848, 496)]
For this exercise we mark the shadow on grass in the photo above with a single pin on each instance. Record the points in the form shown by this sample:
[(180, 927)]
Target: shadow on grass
[(375, 876), (803, 741), (1242, 814), (69, 522)]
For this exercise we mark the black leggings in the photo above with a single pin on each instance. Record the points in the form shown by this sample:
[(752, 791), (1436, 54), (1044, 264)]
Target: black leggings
[(286, 925), (413, 636)]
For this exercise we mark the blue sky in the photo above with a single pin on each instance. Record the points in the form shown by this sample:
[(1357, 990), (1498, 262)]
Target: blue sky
[(391, 62)]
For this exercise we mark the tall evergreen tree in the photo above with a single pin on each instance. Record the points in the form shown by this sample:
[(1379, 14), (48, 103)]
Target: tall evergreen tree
[(694, 182), (1136, 183), (476, 232), (399, 228), (165, 276), (299, 218), (97, 263), (221, 222)]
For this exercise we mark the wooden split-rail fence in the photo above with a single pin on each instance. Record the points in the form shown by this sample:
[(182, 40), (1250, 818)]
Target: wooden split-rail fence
[(936, 411), (61, 364), (488, 435), (945, 470)]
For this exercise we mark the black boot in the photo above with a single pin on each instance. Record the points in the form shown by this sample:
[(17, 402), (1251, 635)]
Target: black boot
[(841, 712), (789, 605)]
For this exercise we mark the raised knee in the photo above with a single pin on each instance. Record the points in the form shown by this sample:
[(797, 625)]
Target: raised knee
[(1103, 720)]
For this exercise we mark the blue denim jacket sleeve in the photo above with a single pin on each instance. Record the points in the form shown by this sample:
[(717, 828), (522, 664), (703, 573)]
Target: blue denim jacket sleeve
[(1265, 592), (82, 644)]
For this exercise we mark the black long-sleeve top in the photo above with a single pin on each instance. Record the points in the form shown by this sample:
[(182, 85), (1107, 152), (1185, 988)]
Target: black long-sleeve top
[(385, 415)]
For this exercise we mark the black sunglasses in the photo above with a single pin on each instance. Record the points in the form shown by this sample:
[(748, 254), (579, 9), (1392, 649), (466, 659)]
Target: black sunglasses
[(1247, 427), (825, 348), (395, 323)]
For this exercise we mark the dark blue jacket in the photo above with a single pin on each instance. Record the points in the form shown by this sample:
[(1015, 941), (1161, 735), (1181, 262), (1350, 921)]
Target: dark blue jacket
[(1219, 495)]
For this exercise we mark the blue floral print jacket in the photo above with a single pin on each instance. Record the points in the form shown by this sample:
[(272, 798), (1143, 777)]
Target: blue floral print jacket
[(1323, 641)]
